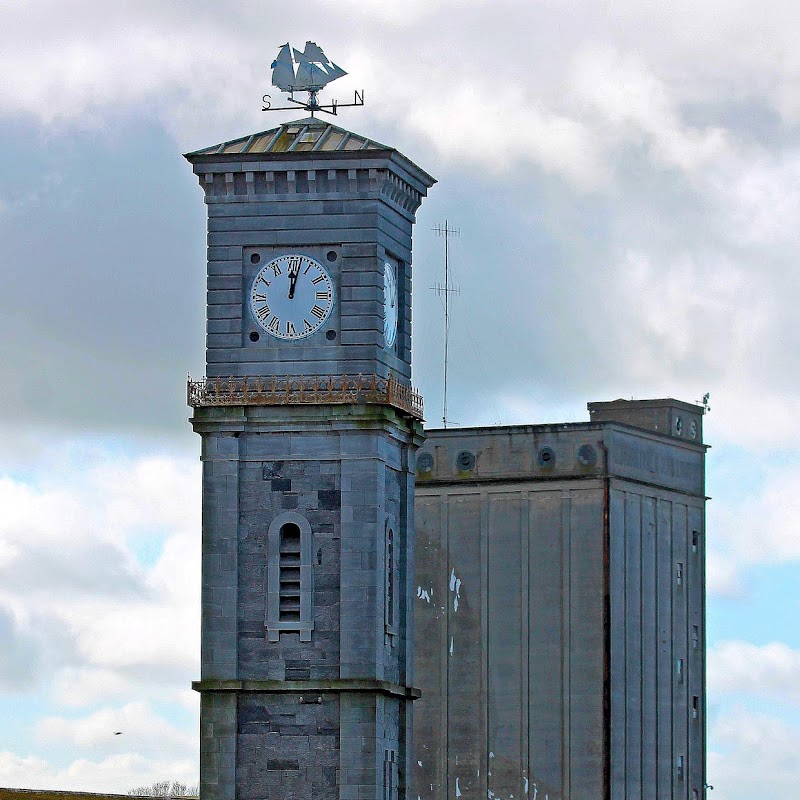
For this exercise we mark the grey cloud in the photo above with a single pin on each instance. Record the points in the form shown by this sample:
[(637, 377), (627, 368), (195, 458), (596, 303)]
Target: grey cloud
[(87, 569), (103, 314), (103, 282), (19, 656)]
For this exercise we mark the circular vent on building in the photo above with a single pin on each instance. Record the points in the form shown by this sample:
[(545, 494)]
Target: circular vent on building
[(465, 461), (424, 462), (546, 457), (587, 455)]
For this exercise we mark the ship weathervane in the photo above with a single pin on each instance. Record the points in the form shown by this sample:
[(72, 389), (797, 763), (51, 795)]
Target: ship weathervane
[(310, 71)]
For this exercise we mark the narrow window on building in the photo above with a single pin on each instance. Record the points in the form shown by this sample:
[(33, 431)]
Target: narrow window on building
[(695, 707), (290, 577), (390, 579), (695, 636), (390, 775), (679, 670), (679, 766), (679, 573), (289, 573), (695, 541)]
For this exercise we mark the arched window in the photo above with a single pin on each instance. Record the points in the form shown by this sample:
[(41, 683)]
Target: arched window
[(390, 581), (290, 577)]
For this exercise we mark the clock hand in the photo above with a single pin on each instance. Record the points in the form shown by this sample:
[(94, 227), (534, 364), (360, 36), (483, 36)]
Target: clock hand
[(293, 281)]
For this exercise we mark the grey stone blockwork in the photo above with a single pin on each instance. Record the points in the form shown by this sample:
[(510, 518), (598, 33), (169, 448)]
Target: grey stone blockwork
[(267, 489), (217, 746), (359, 206), (288, 746), (347, 471)]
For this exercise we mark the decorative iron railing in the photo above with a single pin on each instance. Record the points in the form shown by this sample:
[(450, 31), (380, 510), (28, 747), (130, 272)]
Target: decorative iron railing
[(288, 390)]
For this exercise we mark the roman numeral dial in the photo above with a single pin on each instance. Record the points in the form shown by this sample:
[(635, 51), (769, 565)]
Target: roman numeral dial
[(390, 304), (291, 297)]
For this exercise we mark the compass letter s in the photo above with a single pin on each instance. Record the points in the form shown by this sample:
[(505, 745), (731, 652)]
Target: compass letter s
[(267, 100)]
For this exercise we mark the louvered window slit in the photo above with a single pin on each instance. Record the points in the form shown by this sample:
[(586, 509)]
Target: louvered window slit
[(289, 573)]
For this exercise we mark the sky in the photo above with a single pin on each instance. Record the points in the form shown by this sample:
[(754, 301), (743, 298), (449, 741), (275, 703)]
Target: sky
[(626, 180)]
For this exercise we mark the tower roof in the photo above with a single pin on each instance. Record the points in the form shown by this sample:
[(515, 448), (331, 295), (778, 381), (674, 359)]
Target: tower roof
[(305, 135)]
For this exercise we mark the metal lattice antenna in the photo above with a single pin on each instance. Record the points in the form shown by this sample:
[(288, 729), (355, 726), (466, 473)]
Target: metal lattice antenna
[(446, 291)]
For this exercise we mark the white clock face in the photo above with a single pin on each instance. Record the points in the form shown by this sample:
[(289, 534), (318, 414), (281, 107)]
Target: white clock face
[(291, 297), (389, 304)]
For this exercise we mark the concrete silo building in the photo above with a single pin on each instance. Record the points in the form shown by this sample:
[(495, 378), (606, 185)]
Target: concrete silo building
[(559, 620)]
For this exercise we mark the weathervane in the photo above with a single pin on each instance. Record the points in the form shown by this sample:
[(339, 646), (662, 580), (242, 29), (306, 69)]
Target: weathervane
[(310, 71)]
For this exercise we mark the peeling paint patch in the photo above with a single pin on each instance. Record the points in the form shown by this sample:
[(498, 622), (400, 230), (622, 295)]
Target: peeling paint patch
[(491, 754), (424, 594), (526, 786), (458, 789), (490, 794), (455, 587), (451, 645), (419, 763)]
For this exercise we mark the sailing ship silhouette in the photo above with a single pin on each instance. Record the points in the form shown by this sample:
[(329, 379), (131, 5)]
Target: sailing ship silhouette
[(309, 71)]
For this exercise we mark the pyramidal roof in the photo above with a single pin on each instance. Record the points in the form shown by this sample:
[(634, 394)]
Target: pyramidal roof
[(305, 135)]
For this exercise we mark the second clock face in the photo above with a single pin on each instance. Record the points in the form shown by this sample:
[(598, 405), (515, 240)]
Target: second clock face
[(389, 304), (291, 297)]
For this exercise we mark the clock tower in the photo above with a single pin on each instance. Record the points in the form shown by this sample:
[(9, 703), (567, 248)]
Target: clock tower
[(309, 430)]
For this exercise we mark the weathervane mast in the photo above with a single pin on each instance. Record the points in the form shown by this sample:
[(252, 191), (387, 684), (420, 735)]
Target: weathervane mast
[(310, 71)]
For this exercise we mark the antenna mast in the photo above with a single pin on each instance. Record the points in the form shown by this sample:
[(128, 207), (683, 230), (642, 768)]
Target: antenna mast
[(445, 291)]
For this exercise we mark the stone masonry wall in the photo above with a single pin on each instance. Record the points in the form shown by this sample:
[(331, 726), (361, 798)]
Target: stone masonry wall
[(310, 488), (288, 747)]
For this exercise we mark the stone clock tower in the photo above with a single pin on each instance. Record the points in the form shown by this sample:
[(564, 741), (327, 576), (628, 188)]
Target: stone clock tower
[(309, 431)]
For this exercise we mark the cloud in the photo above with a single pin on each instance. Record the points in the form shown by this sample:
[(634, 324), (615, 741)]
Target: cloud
[(81, 687), (610, 170), (741, 667), (759, 525), (629, 104), (762, 200), (19, 655), (498, 129), (72, 579), (412, 12), (74, 72), (116, 773), (142, 729), (93, 620), (753, 755)]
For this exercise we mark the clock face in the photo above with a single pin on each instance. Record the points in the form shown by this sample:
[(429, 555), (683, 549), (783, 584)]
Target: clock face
[(389, 304), (291, 297)]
